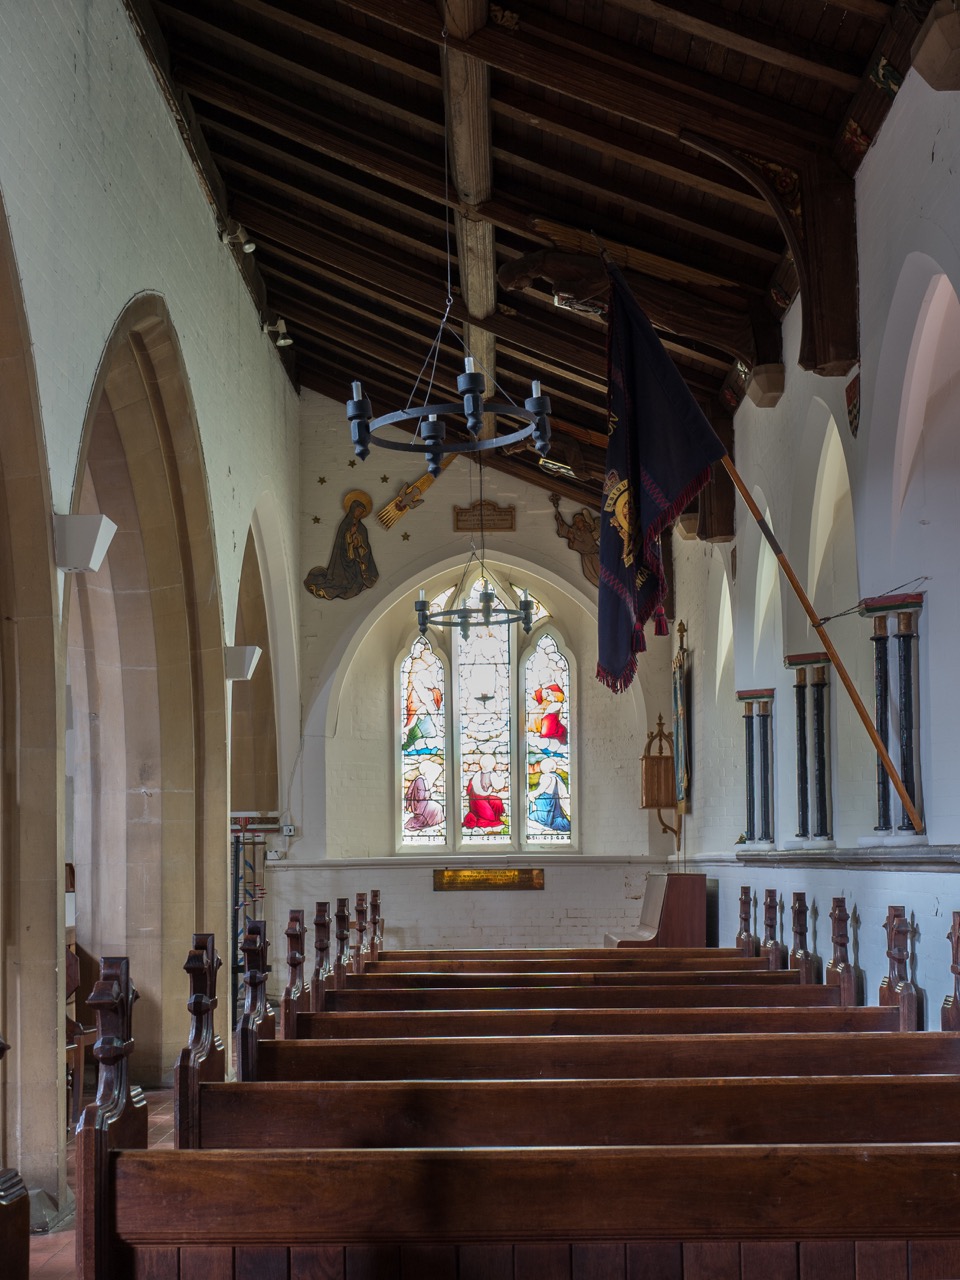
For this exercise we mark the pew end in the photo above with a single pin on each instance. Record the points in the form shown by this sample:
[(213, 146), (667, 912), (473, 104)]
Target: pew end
[(14, 1218), (673, 913)]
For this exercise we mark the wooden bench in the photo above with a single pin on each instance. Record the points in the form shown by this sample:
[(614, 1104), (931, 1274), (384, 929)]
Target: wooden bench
[(14, 1218), (596, 1057), (587, 996), (770, 1208), (673, 913), (478, 1113), (623, 961), (571, 1022), (352, 1113), (786, 1209)]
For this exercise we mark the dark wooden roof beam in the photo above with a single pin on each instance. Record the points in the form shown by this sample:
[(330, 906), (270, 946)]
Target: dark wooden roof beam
[(668, 99), (689, 169), (366, 268), (322, 32), (716, 230), (753, 39)]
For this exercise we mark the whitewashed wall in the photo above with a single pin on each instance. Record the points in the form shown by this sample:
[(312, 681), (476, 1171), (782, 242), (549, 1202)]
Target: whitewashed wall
[(581, 900), (906, 522), (344, 798), (103, 205)]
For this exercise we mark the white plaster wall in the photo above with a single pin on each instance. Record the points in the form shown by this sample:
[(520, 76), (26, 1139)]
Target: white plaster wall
[(909, 229), (717, 807), (104, 204), (350, 648), (580, 901), (929, 898), (908, 201)]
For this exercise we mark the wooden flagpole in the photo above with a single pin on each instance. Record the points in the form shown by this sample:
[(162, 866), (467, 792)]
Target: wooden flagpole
[(861, 710)]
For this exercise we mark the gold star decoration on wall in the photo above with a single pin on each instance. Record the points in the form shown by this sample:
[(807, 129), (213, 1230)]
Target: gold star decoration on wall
[(352, 462), (316, 519), (384, 479), (404, 537), (321, 479)]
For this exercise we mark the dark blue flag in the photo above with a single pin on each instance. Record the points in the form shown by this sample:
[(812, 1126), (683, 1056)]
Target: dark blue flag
[(660, 449)]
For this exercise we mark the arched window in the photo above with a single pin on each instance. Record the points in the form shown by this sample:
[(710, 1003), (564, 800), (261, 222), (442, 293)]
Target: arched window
[(546, 682), (423, 746), (495, 772)]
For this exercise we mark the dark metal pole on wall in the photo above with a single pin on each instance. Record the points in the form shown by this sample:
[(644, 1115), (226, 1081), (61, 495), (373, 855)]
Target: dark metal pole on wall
[(803, 779), (881, 684), (906, 635), (822, 828), (751, 828), (766, 809)]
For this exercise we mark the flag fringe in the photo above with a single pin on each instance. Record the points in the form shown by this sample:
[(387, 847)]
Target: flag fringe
[(621, 682)]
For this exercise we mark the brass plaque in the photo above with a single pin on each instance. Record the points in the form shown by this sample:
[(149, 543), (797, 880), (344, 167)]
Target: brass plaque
[(488, 878), (486, 515)]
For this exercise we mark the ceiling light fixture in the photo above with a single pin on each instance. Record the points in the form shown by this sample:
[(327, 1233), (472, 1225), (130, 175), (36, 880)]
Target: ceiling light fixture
[(279, 327), (430, 434), (233, 233), (485, 614)]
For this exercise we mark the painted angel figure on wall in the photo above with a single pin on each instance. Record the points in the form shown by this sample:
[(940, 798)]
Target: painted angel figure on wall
[(351, 568), (582, 535)]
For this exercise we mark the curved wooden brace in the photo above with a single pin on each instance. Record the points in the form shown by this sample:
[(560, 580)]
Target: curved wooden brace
[(813, 200)]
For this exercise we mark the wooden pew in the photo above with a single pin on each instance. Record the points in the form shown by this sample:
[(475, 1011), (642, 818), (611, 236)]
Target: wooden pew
[(473, 1211), (774, 950), (523, 1213), (623, 961), (748, 944), (323, 978), (14, 1218), (896, 988), (607, 1022), (204, 1058), (443, 955), (494, 1113), (673, 913), (950, 1009), (584, 996), (709, 976), (800, 958), (376, 925), (296, 994), (598, 1056)]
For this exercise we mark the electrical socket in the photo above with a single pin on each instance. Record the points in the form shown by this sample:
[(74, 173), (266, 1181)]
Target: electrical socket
[(289, 829), (275, 855)]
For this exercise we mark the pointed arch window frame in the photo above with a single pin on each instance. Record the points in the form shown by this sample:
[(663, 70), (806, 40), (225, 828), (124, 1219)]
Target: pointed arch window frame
[(521, 839)]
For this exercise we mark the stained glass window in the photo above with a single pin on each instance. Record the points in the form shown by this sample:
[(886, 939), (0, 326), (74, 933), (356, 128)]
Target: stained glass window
[(547, 743), (538, 612), (483, 670), (423, 743), (496, 773)]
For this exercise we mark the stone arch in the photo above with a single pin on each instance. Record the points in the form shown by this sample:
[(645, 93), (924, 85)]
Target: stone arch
[(31, 781), (254, 783), (758, 612), (915, 321), (348, 731), (145, 643), (825, 539), (925, 528)]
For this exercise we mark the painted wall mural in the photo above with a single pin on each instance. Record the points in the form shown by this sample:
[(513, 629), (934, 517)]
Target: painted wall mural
[(351, 568)]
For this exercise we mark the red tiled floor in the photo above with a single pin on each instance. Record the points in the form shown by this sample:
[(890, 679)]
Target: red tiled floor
[(53, 1256)]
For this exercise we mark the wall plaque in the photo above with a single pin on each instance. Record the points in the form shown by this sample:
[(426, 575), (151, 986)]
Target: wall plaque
[(495, 519), (488, 878)]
